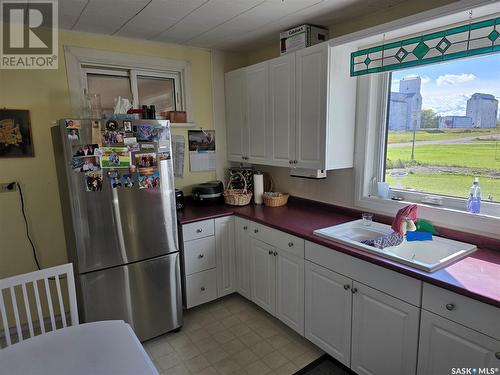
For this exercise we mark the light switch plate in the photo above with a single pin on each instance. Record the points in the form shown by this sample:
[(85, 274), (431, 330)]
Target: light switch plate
[(4, 187)]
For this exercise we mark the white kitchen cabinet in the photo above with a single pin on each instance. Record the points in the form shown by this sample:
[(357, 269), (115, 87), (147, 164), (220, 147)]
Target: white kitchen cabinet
[(328, 306), (243, 258), (445, 345), (311, 98), (290, 290), (263, 275), (256, 113), (384, 333), (201, 287), (299, 110), (281, 113), (236, 110), (226, 256)]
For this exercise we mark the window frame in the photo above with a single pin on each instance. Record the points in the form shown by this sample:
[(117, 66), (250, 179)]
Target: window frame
[(133, 75), (79, 60), (371, 137)]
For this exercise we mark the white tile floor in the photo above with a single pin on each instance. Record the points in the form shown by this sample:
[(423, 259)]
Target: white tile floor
[(231, 336)]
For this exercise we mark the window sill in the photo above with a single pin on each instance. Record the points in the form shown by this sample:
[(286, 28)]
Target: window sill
[(479, 224)]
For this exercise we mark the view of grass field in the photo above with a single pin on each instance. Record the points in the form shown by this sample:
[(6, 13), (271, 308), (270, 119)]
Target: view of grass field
[(469, 155), (437, 135), (446, 161), (447, 184)]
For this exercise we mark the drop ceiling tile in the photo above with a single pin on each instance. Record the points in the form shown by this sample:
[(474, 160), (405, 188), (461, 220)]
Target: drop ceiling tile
[(265, 14), (69, 10), (106, 16), (205, 18), (158, 16)]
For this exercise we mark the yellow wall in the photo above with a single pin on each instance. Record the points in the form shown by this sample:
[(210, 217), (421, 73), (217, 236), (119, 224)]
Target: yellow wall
[(45, 94)]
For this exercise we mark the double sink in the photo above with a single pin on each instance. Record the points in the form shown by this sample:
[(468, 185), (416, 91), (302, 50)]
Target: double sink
[(425, 255)]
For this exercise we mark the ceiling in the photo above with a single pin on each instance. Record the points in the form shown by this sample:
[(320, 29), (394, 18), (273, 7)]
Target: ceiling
[(238, 25)]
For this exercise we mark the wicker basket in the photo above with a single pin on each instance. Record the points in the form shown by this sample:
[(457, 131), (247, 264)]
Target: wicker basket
[(237, 197), (272, 199)]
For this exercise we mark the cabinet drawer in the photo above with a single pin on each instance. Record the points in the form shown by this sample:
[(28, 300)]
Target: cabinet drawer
[(464, 310), (284, 241), (199, 255), (201, 287), (197, 230)]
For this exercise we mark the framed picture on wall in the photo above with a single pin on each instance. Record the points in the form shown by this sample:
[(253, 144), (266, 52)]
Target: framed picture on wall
[(15, 133)]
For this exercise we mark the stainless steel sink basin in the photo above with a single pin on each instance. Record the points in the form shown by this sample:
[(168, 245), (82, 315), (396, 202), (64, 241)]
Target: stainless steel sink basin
[(425, 255)]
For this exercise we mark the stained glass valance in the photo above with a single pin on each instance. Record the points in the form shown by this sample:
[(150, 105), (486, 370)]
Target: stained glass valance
[(462, 41)]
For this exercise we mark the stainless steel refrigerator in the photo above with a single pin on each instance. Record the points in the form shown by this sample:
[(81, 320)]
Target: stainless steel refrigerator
[(121, 239)]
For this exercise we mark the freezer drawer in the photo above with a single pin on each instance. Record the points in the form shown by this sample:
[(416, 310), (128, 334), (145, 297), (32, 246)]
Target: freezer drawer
[(146, 294)]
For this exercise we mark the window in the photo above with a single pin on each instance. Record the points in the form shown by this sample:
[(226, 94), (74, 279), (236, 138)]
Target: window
[(442, 130), (161, 89)]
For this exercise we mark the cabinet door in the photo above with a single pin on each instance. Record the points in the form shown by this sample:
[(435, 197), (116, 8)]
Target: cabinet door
[(311, 98), (256, 112), (328, 303), (445, 345), (281, 119), (384, 333), (290, 290), (263, 275), (225, 254), (243, 258), (237, 137)]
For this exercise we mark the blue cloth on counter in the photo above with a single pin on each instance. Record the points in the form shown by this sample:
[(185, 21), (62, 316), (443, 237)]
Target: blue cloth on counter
[(418, 236)]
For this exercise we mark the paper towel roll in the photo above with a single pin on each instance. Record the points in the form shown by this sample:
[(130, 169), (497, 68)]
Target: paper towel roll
[(258, 188)]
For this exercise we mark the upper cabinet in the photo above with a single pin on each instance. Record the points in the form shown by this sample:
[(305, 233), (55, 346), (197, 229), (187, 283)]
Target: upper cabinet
[(236, 107), (293, 111), (281, 115), (256, 112)]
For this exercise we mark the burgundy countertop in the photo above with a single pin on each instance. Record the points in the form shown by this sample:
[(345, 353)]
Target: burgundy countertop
[(476, 276)]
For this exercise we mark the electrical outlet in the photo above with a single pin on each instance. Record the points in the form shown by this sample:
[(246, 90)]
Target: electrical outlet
[(7, 187)]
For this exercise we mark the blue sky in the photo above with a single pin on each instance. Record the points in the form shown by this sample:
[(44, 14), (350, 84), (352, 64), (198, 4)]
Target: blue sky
[(447, 86)]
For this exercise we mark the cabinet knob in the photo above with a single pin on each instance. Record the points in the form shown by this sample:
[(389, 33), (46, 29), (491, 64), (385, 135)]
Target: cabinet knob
[(202, 288), (295, 162), (354, 290), (347, 287), (256, 231), (270, 252), (290, 244), (497, 355), (199, 230), (201, 256), (450, 306), (275, 253), (289, 161), (245, 227)]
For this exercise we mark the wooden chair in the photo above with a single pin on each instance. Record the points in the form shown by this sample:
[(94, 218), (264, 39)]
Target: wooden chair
[(19, 286)]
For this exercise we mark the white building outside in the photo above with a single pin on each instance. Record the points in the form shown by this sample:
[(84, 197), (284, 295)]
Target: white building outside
[(406, 105), (483, 110)]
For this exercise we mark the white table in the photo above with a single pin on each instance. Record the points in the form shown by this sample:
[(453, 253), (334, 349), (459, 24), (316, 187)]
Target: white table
[(107, 347)]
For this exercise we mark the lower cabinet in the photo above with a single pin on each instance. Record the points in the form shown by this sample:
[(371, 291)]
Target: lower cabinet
[(367, 330), (278, 283), (226, 255), (328, 311), (446, 345), (384, 333), (290, 290), (263, 275), (243, 257)]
